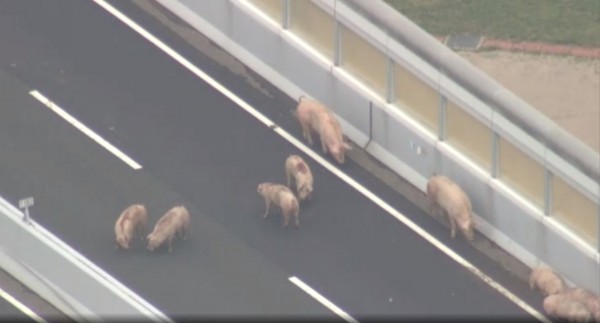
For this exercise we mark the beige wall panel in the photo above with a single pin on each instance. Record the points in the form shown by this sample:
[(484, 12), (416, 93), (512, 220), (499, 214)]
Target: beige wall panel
[(313, 25), (273, 8), (521, 172), (418, 98), (575, 210), (364, 61), (469, 135)]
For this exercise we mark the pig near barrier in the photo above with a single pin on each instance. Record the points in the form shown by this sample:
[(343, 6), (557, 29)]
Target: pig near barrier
[(314, 117), (281, 197), (450, 198), (176, 220), (548, 281), (297, 168), (131, 221), (563, 307), (587, 298)]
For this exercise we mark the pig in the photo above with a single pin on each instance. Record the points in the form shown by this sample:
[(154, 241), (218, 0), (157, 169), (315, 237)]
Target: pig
[(131, 221), (587, 298), (283, 198), (548, 281), (175, 221), (297, 168), (444, 194), (315, 117), (563, 307)]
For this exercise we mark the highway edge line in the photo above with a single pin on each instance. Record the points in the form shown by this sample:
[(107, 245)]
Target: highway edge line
[(22, 307), (83, 128), (321, 299)]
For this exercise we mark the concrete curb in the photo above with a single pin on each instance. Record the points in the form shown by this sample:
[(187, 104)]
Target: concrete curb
[(472, 42)]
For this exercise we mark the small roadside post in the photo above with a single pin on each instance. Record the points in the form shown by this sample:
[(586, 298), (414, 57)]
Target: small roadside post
[(25, 204)]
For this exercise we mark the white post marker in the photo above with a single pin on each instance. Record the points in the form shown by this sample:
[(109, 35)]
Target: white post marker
[(25, 204)]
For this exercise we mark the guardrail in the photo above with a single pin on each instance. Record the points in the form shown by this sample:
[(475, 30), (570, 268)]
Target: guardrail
[(409, 112), (62, 276)]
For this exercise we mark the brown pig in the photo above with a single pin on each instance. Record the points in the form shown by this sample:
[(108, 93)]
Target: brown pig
[(315, 117), (561, 306), (548, 281), (131, 221), (283, 198), (444, 194), (297, 168), (587, 298), (176, 220)]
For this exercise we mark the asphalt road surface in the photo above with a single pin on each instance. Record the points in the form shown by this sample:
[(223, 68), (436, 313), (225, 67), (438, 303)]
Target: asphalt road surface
[(199, 149), (9, 312)]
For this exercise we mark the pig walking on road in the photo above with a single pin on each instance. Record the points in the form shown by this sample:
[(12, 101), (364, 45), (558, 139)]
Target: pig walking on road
[(176, 220), (548, 281), (296, 168), (444, 194), (315, 117), (563, 307), (131, 221), (587, 298), (281, 197)]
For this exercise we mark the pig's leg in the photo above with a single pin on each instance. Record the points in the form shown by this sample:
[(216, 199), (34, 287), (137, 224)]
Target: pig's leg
[(267, 203), (171, 243), (286, 218), (307, 135), (323, 146), (452, 225), (141, 230), (183, 233), (289, 178)]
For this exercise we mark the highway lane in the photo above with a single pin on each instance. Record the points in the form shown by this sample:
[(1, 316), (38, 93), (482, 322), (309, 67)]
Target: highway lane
[(80, 189), (198, 147)]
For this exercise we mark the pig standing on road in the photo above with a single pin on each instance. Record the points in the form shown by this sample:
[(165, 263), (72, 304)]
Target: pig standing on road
[(547, 281), (131, 221), (283, 198), (587, 298), (314, 117), (176, 220), (297, 168), (561, 306), (450, 198)]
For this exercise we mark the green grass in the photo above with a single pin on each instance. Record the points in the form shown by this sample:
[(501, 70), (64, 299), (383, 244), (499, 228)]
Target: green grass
[(575, 22)]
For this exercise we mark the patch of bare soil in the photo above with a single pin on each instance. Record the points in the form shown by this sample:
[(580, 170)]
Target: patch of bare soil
[(566, 89)]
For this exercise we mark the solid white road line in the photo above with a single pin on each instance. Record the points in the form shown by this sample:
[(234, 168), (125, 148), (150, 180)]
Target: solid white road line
[(15, 302), (296, 281), (70, 119), (424, 234)]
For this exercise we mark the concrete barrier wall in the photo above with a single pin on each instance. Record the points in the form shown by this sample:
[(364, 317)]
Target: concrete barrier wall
[(396, 139), (63, 277)]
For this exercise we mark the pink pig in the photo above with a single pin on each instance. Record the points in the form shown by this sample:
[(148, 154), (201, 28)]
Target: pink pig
[(131, 221), (445, 194), (315, 117), (176, 220), (296, 168)]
